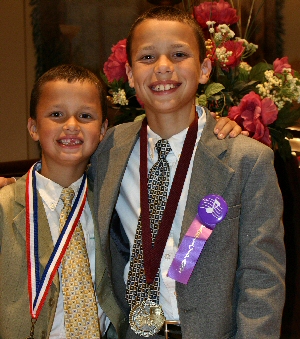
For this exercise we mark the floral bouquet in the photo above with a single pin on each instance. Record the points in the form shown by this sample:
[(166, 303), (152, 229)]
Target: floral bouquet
[(263, 99), (121, 96)]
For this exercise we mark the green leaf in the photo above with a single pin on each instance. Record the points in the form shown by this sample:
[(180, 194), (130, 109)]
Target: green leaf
[(284, 149), (287, 116), (258, 71), (243, 75), (213, 88), (129, 90), (201, 100), (296, 74), (245, 87), (104, 78), (279, 141), (140, 117), (127, 114)]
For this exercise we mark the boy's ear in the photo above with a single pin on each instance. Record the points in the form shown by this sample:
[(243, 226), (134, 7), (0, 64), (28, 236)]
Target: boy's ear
[(205, 71), (103, 129), (32, 129), (129, 74)]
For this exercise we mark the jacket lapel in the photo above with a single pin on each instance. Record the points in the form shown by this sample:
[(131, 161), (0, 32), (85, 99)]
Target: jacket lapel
[(100, 267), (112, 161), (207, 167), (45, 238)]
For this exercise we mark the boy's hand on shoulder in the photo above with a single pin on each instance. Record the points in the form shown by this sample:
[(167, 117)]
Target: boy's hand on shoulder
[(6, 181), (225, 127)]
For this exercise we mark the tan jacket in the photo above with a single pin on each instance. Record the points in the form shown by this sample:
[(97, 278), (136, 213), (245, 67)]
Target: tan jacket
[(15, 320)]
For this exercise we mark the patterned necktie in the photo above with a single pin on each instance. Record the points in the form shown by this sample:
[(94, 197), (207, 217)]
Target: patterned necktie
[(80, 308), (137, 289)]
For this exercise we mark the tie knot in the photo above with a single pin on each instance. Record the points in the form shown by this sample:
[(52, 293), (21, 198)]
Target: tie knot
[(163, 148), (67, 195)]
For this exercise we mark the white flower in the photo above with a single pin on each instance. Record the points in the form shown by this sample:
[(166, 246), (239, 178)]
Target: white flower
[(226, 31), (210, 23), (244, 65), (223, 55), (281, 89), (120, 97)]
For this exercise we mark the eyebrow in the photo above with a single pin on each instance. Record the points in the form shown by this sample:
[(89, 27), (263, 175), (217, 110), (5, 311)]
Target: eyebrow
[(178, 45), (147, 48), (151, 48)]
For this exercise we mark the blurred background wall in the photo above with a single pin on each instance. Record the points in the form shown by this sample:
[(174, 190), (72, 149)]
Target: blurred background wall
[(109, 22)]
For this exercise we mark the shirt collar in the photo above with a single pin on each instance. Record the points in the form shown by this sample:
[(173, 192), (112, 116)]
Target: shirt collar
[(50, 191), (176, 141)]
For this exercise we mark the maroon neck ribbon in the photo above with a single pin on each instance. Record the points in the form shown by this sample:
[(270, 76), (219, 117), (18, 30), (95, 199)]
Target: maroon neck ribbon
[(153, 253)]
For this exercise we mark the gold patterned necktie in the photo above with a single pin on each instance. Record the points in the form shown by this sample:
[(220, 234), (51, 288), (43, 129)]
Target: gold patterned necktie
[(80, 308)]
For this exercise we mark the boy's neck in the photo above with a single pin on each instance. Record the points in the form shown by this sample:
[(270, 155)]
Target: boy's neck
[(168, 124), (63, 175)]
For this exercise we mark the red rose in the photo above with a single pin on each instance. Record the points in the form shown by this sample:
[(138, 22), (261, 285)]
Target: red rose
[(114, 67), (254, 114), (237, 49), (221, 12), (280, 64)]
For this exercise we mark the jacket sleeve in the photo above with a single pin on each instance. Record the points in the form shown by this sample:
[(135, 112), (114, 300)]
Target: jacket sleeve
[(261, 263)]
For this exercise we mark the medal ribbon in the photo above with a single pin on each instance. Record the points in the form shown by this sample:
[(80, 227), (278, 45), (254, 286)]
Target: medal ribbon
[(38, 288), (153, 253)]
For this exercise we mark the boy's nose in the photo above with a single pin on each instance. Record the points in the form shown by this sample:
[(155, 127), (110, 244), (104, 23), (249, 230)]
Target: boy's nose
[(163, 66), (71, 124)]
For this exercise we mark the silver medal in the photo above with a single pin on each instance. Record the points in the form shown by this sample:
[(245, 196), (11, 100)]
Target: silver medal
[(146, 318)]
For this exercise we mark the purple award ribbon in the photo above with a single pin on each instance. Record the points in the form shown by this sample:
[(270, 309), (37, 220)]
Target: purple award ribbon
[(212, 209)]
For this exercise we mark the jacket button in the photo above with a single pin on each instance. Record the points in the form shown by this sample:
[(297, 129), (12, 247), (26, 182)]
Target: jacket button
[(51, 302)]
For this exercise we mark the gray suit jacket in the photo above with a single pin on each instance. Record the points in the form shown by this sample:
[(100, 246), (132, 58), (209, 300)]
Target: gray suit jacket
[(15, 319), (237, 287)]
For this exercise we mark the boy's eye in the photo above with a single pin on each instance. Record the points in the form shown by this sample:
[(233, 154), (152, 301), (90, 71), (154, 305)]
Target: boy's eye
[(85, 116), (179, 55), (56, 114), (147, 57)]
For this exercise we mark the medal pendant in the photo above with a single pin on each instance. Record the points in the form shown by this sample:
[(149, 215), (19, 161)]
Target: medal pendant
[(146, 318), (31, 335)]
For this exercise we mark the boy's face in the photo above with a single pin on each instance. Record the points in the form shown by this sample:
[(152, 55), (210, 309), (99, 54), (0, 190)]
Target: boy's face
[(166, 66), (68, 124)]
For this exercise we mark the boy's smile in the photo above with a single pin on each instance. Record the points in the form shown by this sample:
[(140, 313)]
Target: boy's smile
[(68, 125), (166, 67)]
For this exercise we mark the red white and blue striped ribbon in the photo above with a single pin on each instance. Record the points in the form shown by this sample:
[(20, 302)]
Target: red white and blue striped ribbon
[(38, 286)]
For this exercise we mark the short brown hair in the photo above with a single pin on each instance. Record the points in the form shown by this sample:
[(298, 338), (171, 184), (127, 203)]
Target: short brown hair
[(70, 73), (168, 13)]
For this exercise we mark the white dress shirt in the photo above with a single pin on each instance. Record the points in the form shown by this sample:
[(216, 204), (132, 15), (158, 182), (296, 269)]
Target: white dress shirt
[(128, 206), (50, 193)]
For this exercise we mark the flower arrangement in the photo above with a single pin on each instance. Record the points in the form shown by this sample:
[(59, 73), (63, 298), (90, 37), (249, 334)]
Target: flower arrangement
[(122, 96), (263, 99)]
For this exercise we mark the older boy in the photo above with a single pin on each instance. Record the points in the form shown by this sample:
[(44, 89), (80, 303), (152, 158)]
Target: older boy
[(67, 118), (236, 289)]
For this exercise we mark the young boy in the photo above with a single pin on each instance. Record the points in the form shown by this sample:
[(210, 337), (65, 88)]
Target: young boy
[(68, 119), (236, 288)]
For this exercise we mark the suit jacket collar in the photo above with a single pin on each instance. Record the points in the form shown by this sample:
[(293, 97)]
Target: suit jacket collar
[(110, 174), (100, 267), (207, 167), (45, 238)]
